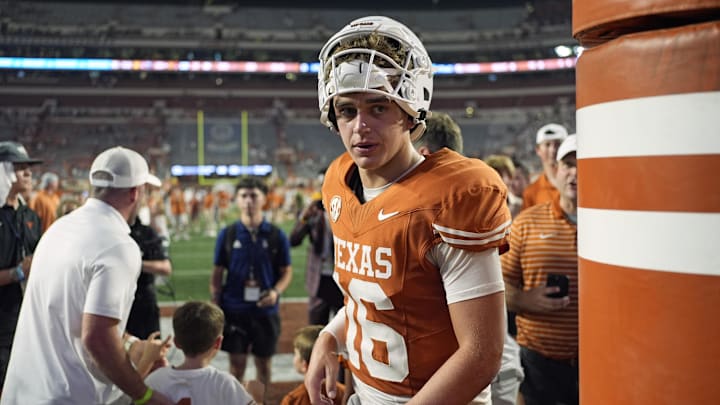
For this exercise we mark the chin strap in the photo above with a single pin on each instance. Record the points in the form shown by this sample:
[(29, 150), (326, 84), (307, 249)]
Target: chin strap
[(417, 131)]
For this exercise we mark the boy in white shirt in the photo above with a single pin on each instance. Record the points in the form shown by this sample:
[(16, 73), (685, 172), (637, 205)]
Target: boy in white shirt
[(198, 330)]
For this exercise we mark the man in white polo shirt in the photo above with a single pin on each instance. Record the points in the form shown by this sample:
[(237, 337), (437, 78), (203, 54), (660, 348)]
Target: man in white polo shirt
[(68, 347)]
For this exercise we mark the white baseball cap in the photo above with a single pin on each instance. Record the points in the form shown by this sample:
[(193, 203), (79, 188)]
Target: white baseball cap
[(551, 132), (569, 145), (119, 167)]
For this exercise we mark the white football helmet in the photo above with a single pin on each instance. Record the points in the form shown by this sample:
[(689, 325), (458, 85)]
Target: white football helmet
[(413, 79)]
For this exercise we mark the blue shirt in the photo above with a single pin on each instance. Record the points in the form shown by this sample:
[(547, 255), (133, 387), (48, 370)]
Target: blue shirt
[(250, 255)]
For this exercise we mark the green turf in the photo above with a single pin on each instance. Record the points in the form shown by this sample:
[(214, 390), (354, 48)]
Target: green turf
[(193, 262)]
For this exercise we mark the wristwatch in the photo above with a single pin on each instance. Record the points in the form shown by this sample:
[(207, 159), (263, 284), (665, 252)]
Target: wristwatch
[(19, 273)]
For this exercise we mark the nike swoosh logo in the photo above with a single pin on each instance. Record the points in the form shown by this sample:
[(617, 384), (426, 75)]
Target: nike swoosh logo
[(546, 235), (382, 216)]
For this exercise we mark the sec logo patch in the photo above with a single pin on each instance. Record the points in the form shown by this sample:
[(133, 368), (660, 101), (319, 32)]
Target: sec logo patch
[(335, 205)]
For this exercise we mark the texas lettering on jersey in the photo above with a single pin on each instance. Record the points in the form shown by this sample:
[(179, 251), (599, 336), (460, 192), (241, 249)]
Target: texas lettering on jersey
[(363, 259), (399, 331)]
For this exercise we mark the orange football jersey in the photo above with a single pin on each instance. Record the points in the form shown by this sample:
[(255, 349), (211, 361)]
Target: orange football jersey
[(398, 329)]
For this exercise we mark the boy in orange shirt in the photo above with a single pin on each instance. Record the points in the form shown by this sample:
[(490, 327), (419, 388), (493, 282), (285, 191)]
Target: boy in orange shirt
[(303, 345)]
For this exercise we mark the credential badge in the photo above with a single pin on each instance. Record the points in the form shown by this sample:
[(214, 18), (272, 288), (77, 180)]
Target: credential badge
[(335, 205)]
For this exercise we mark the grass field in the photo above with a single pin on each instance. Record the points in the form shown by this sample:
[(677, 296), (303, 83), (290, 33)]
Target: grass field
[(193, 262)]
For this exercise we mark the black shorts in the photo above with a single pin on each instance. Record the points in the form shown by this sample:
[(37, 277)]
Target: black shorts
[(548, 381), (257, 333)]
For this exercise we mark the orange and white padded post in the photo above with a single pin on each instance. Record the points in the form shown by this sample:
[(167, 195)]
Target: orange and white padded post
[(648, 124)]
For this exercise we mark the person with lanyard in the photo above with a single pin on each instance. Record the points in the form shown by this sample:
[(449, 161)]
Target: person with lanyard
[(20, 230), (255, 254)]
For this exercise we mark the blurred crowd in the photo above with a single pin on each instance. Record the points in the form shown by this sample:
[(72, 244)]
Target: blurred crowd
[(177, 210)]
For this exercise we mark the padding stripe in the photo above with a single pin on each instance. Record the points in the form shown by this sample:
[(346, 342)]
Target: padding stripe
[(681, 124), (663, 241)]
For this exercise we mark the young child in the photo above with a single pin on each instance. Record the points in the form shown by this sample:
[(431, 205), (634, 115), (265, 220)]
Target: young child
[(198, 330), (303, 345)]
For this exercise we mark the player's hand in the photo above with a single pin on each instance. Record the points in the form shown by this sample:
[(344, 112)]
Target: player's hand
[(537, 300), (321, 376)]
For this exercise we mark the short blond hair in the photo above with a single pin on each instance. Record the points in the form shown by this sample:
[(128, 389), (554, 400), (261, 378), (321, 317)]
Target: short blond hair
[(305, 340), (376, 41), (501, 163)]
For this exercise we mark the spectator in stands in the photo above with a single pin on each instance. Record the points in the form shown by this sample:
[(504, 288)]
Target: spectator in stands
[(198, 328), (254, 255), (47, 199), (543, 248), (543, 189), (302, 348), (20, 230), (325, 299)]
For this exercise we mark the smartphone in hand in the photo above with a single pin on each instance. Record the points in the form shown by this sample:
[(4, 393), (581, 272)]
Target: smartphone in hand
[(558, 280)]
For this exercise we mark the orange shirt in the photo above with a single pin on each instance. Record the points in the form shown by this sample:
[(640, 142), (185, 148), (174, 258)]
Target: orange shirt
[(177, 203), (275, 200), (540, 191), (299, 396), (45, 205), (543, 241), (399, 331), (223, 199), (208, 201)]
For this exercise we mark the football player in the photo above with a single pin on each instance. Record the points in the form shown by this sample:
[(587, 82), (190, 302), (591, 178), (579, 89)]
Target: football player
[(416, 239)]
